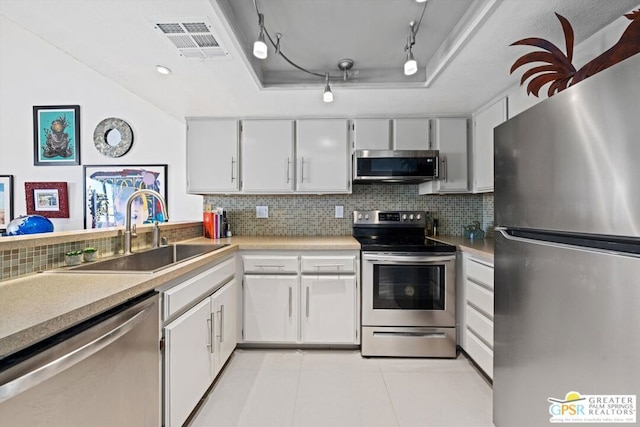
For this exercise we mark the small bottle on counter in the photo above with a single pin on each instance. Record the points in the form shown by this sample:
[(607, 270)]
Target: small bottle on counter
[(434, 231), (225, 225)]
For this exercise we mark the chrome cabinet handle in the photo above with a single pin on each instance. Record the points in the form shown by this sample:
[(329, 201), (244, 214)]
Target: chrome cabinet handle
[(233, 162), (307, 308), (51, 362), (213, 332), (269, 265), (209, 327), (288, 168), (290, 301), (319, 266), (302, 169), (221, 323)]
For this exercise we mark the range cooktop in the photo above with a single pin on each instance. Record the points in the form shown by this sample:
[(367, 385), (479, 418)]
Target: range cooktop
[(395, 231)]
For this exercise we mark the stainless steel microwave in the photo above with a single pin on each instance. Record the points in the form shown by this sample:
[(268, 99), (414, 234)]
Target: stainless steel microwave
[(408, 166)]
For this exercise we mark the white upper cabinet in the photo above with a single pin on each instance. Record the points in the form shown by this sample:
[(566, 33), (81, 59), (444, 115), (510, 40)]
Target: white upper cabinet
[(484, 122), (450, 138), (371, 134), (411, 134), (267, 156), (323, 156), (212, 156)]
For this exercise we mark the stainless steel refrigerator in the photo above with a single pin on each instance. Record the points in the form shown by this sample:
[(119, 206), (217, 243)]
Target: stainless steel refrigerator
[(567, 250)]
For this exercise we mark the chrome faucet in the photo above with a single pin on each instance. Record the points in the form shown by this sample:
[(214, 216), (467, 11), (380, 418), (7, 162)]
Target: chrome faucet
[(127, 218)]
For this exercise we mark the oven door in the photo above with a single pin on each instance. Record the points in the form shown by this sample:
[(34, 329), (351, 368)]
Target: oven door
[(408, 289)]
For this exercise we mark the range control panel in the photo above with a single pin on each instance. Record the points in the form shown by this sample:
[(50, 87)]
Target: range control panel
[(390, 218)]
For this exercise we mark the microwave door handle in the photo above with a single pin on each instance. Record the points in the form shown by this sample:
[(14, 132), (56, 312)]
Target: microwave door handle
[(444, 169)]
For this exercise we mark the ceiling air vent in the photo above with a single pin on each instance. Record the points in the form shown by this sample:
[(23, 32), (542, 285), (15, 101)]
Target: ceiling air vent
[(194, 38)]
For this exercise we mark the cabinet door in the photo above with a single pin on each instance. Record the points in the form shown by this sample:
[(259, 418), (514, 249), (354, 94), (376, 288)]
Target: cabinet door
[(484, 123), (224, 308), (188, 362), (267, 156), (323, 156), (328, 309), (212, 156), (450, 138), (411, 134), (271, 309), (371, 134)]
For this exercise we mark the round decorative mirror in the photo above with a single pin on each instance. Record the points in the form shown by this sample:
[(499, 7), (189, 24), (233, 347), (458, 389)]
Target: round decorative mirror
[(113, 137)]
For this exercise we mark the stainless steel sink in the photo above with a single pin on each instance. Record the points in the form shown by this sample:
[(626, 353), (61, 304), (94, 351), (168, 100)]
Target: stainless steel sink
[(148, 261)]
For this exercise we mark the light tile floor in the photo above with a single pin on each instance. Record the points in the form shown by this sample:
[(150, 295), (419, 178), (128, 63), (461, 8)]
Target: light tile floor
[(334, 388)]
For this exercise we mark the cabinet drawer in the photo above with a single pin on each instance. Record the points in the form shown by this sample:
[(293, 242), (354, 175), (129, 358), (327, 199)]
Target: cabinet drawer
[(480, 324), (480, 353), (480, 297), (264, 264), (328, 264), (180, 296), (480, 273)]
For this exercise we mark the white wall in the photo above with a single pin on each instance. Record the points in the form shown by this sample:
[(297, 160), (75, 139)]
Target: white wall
[(33, 72)]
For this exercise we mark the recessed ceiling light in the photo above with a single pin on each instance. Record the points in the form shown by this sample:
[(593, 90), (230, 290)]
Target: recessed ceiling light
[(420, 1), (163, 70)]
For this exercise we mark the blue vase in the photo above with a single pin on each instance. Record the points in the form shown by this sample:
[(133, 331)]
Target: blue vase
[(29, 224)]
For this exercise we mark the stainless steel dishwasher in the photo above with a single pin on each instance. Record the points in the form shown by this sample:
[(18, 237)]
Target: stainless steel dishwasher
[(103, 372)]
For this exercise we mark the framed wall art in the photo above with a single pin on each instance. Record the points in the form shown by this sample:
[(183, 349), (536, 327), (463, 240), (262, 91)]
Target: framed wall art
[(107, 188), (48, 199), (56, 135), (6, 200)]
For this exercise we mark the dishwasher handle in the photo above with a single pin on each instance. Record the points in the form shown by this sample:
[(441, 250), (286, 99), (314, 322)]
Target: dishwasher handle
[(71, 351)]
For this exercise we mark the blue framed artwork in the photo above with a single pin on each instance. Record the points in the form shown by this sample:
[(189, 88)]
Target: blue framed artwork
[(56, 135)]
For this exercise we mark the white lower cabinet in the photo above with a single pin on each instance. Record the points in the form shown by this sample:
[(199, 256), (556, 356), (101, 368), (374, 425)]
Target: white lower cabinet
[(478, 312), (198, 342), (189, 365), (329, 309), (314, 304), (271, 308)]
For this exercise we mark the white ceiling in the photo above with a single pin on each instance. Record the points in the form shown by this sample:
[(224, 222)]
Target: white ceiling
[(117, 39)]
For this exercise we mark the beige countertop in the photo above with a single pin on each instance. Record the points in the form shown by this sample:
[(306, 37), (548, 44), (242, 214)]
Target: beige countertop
[(40, 305), (288, 242), (482, 247)]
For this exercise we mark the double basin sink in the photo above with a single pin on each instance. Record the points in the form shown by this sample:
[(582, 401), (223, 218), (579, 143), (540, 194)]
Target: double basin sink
[(148, 261)]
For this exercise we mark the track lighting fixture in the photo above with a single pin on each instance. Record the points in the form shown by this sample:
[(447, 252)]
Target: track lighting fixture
[(410, 65), (259, 46), (327, 96), (344, 65)]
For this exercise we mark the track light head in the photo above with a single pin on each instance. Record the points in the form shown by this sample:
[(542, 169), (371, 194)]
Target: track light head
[(260, 46), (410, 65), (327, 96)]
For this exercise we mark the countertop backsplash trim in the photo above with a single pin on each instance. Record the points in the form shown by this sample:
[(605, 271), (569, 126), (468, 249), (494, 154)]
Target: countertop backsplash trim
[(313, 215), (23, 255)]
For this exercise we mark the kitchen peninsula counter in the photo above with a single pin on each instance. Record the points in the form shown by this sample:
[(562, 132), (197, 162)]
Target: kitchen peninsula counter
[(40, 305)]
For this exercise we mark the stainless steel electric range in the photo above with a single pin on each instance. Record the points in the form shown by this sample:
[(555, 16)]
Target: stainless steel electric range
[(408, 286)]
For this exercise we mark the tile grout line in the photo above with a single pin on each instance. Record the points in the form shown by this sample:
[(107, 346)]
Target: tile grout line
[(386, 388), (295, 400)]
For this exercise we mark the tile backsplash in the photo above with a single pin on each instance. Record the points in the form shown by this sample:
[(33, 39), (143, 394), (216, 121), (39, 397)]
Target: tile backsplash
[(28, 259), (313, 215)]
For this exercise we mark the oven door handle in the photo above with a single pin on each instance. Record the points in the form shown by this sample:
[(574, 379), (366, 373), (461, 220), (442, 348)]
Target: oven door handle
[(405, 259)]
